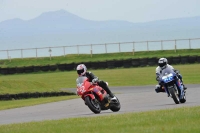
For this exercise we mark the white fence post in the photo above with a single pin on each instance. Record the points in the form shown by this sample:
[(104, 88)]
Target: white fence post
[(8, 54), (36, 52), (147, 46), (161, 45), (22, 53), (78, 49), (133, 45), (91, 46), (175, 47), (50, 53), (119, 48), (189, 44), (105, 47), (64, 50), (91, 52)]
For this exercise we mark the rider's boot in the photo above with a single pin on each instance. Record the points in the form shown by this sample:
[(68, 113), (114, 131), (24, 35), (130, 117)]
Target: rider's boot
[(113, 97), (160, 88), (184, 87), (157, 89)]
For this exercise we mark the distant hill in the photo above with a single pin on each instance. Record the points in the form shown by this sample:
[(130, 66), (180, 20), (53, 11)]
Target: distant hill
[(63, 28)]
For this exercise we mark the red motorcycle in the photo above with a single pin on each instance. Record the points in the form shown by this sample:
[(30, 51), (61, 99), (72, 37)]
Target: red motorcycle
[(95, 97)]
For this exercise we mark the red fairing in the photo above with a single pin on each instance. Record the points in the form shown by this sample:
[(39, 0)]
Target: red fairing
[(87, 88), (84, 87)]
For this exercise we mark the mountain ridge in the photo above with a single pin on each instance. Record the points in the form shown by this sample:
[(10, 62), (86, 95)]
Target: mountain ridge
[(62, 27), (62, 11)]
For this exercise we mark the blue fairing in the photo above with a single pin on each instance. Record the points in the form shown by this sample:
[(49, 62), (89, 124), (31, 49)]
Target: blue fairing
[(168, 77)]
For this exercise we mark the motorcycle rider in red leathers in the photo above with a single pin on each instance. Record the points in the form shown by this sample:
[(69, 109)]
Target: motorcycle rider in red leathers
[(82, 71)]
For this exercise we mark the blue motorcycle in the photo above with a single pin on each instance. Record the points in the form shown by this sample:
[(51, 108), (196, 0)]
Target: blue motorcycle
[(172, 85)]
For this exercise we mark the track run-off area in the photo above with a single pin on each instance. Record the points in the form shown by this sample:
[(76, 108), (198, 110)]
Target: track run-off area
[(132, 99)]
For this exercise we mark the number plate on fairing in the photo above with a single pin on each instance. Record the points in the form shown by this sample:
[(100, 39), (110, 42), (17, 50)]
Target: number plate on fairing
[(167, 78)]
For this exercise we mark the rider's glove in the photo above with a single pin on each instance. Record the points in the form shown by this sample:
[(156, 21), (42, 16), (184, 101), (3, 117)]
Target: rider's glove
[(158, 78), (176, 71), (95, 80)]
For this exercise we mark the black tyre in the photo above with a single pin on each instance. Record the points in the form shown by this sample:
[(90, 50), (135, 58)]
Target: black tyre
[(93, 105), (115, 105), (174, 94)]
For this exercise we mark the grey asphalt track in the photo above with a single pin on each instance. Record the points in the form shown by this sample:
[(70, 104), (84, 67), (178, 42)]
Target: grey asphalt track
[(132, 98)]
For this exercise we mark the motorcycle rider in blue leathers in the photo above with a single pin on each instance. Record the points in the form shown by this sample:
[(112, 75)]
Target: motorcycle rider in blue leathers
[(163, 64)]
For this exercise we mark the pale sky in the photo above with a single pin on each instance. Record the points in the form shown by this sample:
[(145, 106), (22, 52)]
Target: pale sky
[(129, 10)]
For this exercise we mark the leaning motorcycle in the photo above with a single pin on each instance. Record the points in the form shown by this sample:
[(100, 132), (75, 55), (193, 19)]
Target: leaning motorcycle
[(95, 97), (173, 86)]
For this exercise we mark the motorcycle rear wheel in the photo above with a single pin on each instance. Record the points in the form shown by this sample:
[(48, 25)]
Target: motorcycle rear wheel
[(93, 105)]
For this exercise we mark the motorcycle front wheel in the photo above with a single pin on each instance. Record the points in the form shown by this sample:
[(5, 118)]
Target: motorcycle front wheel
[(174, 94), (93, 105)]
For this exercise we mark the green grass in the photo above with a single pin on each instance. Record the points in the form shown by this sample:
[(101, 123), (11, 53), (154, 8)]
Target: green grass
[(96, 57), (183, 120), (55, 81)]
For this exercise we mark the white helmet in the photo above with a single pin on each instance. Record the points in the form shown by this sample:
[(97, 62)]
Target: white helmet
[(162, 62), (81, 69)]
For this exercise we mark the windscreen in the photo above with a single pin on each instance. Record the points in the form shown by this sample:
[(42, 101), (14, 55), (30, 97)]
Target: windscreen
[(166, 71), (80, 80)]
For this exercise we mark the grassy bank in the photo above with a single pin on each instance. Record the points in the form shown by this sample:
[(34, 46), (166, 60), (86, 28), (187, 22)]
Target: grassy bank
[(55, 81), (184, 120), (95, 57)]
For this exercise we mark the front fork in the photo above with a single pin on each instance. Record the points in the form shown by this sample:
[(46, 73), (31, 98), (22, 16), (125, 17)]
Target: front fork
[(166, 90)]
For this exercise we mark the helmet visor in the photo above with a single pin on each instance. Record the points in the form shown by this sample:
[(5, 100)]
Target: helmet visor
[(80, 71), (162, 64)]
